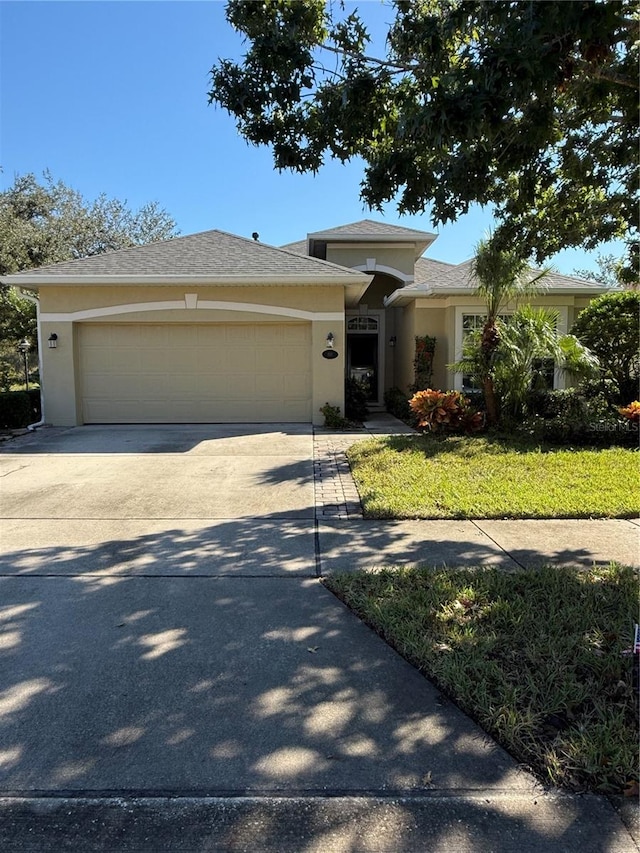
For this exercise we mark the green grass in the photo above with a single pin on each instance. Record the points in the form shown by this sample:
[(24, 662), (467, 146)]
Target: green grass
[(459, 477), (534, 656)]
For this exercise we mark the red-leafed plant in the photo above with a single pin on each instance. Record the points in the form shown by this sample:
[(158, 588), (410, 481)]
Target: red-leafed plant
[(632, 412), (445, 410)]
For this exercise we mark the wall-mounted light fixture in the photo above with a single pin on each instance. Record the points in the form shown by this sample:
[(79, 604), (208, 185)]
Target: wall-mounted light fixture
[(392, 341), (52, 340), (328, 351)]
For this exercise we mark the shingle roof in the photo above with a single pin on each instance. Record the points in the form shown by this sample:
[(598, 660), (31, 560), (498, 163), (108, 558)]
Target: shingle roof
[(436, 277), (461, 276), (208, 254), (430, 270), (300, 247), (370, 228)]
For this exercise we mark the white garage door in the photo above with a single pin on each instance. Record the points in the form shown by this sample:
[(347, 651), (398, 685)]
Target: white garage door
[(204, 373)]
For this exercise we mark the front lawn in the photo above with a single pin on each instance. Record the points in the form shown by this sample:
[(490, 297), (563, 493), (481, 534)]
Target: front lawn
[(458, 477), (534, 656)]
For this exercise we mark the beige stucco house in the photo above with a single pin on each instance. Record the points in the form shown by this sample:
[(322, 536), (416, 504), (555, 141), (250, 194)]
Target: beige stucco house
[(217, 328)]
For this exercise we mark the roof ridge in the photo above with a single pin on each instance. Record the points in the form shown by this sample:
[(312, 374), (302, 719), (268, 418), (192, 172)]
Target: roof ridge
[(376, 222), (434, 261), (288, 252), (207, 253)]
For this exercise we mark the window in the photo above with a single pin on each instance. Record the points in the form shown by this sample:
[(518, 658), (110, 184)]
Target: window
[(543, 369), (473, 323), (362, 324)]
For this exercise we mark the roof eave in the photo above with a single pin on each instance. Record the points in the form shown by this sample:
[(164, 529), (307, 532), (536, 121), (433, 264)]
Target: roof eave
[(353, 292), (35, 281), (402, 297)]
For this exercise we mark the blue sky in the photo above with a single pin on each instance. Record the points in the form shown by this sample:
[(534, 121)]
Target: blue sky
[(112, 97)]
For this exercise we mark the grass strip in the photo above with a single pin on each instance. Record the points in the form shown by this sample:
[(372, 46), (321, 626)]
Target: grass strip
[(461, 477), (536, 657)]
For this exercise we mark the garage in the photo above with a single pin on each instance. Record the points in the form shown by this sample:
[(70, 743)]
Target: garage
[(207, 328), (194, 373)]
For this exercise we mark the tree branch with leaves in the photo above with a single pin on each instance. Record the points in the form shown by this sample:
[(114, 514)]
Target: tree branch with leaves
[(531, 108)]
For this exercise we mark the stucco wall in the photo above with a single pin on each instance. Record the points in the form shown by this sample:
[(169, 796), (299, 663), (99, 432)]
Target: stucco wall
[(381, 286), (432, 320), (400, 258), (81, 297), (405, 325), (60, 306)]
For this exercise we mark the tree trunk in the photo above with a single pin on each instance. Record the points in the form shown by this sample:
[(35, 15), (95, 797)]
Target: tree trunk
[(491, 401), (489, 343)]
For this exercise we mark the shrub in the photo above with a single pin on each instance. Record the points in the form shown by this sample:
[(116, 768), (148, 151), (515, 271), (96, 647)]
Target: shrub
[(396, 402), (355, 400), (332, 417), (570, 417), (19, 408), (423, 362), (609, 327), (445, 410)]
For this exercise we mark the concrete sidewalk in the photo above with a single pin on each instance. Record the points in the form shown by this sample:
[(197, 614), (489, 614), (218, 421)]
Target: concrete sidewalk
[(175, 677), (348, 542)]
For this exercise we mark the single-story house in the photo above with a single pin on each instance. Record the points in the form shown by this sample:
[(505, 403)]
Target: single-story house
[(218, 328)]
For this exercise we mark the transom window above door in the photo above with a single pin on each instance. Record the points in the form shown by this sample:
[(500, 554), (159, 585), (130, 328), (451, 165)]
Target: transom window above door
[(362, 324)]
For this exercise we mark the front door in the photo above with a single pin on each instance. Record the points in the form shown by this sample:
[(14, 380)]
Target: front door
[(362, 361)]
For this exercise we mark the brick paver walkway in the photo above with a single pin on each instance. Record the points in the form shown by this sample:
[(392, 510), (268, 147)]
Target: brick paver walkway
[(336, 495)]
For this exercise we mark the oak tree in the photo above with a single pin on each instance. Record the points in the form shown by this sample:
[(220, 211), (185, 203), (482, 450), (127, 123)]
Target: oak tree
[(530, 108), (44, 222)]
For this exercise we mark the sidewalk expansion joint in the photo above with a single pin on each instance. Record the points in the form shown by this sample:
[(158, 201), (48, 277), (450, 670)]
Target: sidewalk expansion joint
[(497, 544), (114, 794), (157, 577)]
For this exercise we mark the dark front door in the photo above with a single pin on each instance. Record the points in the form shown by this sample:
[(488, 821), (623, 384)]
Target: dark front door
[(362, 362)]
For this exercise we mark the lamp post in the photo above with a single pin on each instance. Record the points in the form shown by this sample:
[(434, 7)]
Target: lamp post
[(24, 347)]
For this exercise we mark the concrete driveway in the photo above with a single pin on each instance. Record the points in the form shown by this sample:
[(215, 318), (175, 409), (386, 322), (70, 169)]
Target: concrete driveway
[(164, 628), (170, 666), (171, 500)]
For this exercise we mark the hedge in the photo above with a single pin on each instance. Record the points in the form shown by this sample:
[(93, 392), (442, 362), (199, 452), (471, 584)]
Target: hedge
[(19, 408)]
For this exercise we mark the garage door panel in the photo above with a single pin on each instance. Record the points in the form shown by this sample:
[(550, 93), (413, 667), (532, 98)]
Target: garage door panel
[(183, 336), (114, 386), (293, 386), (153, 336), (121, 360), (209, 336), (272, 360), (269, 385), (213, 360), (211, 386), (96, 357), (241, 386), (239, 334), (300, 335), (184, 373), (101, 336), (271, 334), (243, 361), (145, 361), (296, 355)]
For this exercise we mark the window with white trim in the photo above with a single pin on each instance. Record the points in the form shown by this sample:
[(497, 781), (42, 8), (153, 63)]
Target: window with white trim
[(362, 324), (544, 371), (474, 323)]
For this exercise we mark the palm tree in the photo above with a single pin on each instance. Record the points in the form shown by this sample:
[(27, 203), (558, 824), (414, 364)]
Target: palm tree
[(501, 276), (532, 336)]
